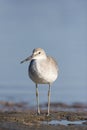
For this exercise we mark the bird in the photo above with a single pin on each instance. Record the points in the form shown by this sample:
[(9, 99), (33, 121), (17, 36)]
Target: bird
[(43, 69)]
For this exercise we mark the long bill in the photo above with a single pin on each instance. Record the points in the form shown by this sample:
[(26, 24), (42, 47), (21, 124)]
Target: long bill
[(27, 59)]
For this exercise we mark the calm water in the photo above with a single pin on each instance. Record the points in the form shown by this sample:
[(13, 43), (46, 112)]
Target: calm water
[(27, 94)]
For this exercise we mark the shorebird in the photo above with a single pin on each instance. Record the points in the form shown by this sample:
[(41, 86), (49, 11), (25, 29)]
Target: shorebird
[(42, 69)]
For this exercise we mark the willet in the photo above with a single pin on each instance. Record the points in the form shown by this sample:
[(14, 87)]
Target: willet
[(43, 69)]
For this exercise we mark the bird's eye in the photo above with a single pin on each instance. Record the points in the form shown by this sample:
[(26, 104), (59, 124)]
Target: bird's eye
[(39, 52)]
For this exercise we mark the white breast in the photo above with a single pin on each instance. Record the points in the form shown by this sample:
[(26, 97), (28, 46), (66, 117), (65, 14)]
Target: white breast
[(41, 72)]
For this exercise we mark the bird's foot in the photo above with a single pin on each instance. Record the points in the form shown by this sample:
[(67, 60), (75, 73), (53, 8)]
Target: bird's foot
[(48, 114), (38, 113)]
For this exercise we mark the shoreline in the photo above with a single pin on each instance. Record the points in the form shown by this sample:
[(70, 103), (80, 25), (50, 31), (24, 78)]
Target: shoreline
[(22, 117), (29, 120)]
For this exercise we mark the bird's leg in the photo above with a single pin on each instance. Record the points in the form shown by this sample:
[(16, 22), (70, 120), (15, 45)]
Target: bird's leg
[(49, 93), (37, 99)]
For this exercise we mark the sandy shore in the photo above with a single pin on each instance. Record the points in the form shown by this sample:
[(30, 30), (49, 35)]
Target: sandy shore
[(28, 120)]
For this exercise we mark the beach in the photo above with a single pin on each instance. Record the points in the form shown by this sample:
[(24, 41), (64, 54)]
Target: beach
[(18, 116)]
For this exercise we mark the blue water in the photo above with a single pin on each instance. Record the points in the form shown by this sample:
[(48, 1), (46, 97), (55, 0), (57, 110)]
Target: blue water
[(63, 122), (27, 94)]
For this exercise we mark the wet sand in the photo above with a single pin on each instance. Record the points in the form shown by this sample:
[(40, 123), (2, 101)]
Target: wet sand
[(26, 119)]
